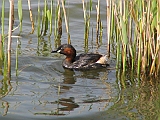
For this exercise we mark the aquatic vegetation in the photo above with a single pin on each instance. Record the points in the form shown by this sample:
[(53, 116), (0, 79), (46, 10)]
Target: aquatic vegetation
[(20, 14), (136, 34), (133, 43), (31, 16), (132, 26)]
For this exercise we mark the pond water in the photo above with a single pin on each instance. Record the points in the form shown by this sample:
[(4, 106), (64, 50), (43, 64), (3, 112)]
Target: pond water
[(43, 89)]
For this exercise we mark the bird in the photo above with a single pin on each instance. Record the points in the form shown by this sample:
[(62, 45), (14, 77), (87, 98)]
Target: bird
[(81, 61)]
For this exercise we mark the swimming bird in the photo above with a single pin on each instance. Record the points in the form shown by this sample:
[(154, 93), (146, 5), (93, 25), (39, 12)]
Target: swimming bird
[(82, 61)]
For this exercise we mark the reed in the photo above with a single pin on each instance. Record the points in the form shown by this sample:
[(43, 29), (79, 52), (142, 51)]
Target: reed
[(59, 28), (11, 15), (57, 24), (57, 9), (132, 26), (38, 21), (50, 15), (20, 14), (45, 18), (98, 22), (46, 23), (1, 54), (87, 16), (66, 22), (31, 16), (16, 66), (109, 17), (135, 27), (2, 36), (85, 22), (2, 20)]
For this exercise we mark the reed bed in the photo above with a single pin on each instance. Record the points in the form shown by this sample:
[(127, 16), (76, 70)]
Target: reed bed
[(132, 26), (135, 31)]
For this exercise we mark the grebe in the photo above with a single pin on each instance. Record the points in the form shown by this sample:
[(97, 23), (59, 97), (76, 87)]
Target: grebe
[(82, 61)]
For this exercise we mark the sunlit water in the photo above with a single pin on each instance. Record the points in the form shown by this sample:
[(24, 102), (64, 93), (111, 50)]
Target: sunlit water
[(44, 90)]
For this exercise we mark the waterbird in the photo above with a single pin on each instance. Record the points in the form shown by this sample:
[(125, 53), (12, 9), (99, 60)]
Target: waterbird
[(81, 61)]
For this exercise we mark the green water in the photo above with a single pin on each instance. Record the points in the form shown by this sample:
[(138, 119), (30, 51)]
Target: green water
[(44, 90)]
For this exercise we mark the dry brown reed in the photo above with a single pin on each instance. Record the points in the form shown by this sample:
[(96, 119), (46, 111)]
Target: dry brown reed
[(31, 16), (108, 5), (66, 22), (11, 18)]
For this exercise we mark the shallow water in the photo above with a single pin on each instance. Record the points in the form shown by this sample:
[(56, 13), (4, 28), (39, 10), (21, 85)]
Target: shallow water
[(44, 90)]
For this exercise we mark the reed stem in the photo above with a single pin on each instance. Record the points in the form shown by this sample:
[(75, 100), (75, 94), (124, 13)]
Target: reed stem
[(98, 22), (31, 16), (66, 23), (20, 13), (11, 14), (109, 9)]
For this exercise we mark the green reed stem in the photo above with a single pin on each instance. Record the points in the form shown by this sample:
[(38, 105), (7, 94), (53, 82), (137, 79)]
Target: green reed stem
[(2, 35), (2, 19), (55, 19), (45, 18), (125, 42), (20, 13), (87, 17), (101, 33), (38, 23), (51, 16), (16, 67), (118, 50), (5, 62), (85, 26), (1, 54), (59, 28)]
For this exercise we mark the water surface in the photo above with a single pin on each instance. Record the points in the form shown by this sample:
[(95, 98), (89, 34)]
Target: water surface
[(43, 89)]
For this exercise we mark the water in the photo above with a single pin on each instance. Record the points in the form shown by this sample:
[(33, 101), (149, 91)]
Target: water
[(44, 90)]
